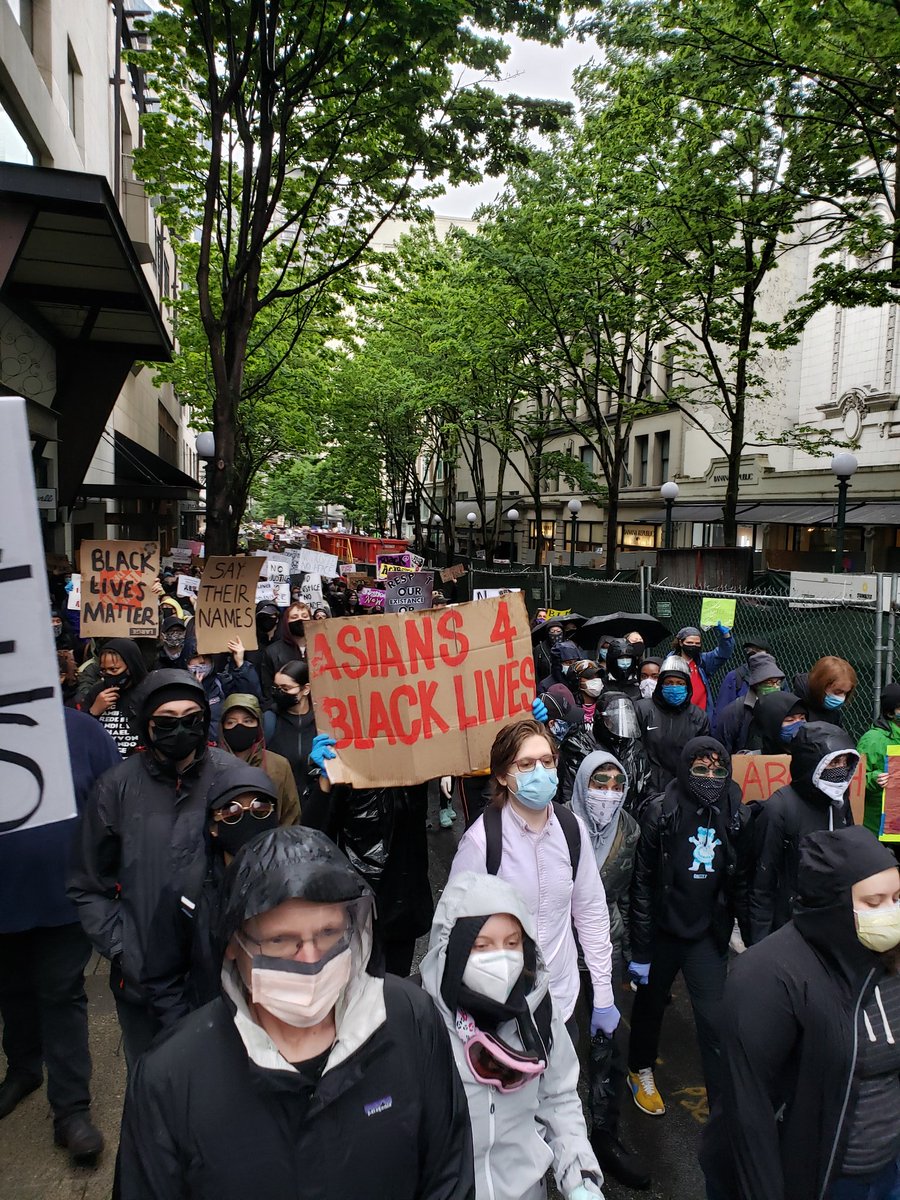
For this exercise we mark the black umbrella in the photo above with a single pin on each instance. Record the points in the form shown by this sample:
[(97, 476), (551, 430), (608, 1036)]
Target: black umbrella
[(538, 634), (620, 624)]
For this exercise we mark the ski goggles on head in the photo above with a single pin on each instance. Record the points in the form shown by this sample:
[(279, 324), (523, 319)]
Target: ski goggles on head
[(494, 1063)]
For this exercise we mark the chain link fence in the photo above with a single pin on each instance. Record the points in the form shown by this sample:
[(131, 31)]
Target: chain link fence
[(593, 592), (799, 633), (532, 582)]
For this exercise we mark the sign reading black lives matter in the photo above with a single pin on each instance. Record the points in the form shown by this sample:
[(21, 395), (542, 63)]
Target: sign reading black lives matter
[(117, 598), (35, 773)]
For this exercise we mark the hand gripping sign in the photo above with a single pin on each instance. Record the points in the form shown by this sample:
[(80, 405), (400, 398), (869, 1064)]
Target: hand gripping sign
[(413, 696)]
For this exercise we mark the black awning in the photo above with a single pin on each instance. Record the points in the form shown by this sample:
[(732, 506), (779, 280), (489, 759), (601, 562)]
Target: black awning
[(142, 475), (69, 267)]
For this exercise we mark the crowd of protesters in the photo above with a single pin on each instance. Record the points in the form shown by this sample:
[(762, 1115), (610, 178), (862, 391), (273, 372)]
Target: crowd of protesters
[(260, 923)]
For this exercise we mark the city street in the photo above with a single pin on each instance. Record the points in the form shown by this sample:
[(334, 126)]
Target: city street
[(33, 1169)]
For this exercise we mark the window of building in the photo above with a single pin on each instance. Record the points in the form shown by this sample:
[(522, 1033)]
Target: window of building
[(75, 97), (587, 457), (14, 146), (642, 460), (588, 537), (22, 11), (168, 435), (639, 537), (548, 529), (668, 380), (663, 443)]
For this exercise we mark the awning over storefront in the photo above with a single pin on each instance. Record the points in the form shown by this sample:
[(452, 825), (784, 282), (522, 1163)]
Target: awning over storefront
[(142, 475), (69, 270)]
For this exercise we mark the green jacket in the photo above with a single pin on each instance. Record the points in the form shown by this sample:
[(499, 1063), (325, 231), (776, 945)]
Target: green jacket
[(873, 744)]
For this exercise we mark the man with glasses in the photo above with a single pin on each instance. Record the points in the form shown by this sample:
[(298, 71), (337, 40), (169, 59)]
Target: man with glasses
[(310, 1070), (686, 891), (142, 845)]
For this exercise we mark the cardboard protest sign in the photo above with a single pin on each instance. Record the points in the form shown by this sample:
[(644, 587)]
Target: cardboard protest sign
[(448, 574), (188, 586), (715, 610), (412, 696), (117, 598), (311, 562), (371, 597), (759, 775), (890, 798), (35, 769), (408, 591), (355, 578), (180, 554), (492, 593), (558, 612), (226, 603), (73, 602)]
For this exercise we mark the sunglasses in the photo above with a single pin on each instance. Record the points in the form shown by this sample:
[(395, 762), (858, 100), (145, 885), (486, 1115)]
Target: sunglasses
[(710, 772), (498, 1065), (234, 812), (190, 721), (617, 780)]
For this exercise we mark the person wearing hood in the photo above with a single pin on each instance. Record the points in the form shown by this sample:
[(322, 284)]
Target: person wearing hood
[(268, 617), (242, 735), (221, 676), (823, 761), (686, 891), (173, 635), (826, 689), (615, 728), (544, 850), (599, 798), (563, 655), (735, 722), (777, 719), (112, 699), (703, 664), (668, 721), (873, 744), (486, 975), (141, 840), (588, 679), (810, 1106), (242, 803), (551, 635), (648, 673), (288, 646), (321, 1076), (736, 682), (622, 668)]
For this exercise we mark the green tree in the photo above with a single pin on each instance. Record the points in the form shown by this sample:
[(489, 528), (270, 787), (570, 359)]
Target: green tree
[(288, 133)]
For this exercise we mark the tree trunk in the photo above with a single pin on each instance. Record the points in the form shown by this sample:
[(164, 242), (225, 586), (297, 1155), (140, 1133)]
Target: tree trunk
[(612, 523)]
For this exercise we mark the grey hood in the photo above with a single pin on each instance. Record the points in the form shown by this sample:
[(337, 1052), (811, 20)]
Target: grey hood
[(601, 837)]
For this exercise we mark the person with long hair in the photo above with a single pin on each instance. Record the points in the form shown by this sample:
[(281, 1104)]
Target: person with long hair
[(827, 689)]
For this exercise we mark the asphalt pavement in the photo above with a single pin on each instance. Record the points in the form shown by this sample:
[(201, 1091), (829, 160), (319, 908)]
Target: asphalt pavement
[(32, 1168)]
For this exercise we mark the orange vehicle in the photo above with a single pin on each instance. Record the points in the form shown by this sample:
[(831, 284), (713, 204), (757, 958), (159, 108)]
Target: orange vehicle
[(350, 547)]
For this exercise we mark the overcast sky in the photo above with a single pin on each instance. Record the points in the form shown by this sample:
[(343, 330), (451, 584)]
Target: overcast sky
[(532, 69)]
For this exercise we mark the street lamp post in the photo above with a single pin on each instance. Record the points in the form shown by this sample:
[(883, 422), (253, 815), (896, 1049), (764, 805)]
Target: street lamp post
[(512, 516), (436, 526), (471, 518), (669, 493), (574, 507), (206, 451), (843, 466)]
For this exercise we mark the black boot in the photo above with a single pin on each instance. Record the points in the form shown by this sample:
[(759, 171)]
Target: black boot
[(14, 1089), (83, 1141), (617, 1162)]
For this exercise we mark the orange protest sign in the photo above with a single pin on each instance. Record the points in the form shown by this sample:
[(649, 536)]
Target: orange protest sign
[(759, 775), (413, 696)]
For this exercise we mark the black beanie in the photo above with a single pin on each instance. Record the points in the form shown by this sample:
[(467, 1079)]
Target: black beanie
[(890, 699)]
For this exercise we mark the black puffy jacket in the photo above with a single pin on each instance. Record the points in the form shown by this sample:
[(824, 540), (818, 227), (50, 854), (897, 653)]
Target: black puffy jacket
[(786, 818), (789, 1035), (142, 843), (386, 1116), (665, 731), (581, 741), (662, 823)]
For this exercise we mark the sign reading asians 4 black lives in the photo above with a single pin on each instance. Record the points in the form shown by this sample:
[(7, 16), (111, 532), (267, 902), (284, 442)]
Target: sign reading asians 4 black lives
[(412, 696)]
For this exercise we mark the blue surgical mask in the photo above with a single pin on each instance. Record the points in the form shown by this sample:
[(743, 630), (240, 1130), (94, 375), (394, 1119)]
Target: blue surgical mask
[(789, 732), (537, 788), (624, 664), (674, 693), (833, 701)]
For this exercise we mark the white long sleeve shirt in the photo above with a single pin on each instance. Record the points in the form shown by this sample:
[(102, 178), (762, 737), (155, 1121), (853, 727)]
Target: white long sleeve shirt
[(537, 862)]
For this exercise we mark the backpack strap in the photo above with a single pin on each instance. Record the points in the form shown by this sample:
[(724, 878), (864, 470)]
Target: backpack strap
[(493, 835), (572, 832)]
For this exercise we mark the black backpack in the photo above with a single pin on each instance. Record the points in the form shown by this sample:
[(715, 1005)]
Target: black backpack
[(493, 832)]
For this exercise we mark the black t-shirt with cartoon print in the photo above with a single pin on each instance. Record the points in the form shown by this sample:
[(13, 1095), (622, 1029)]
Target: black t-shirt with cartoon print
[(698, 861)]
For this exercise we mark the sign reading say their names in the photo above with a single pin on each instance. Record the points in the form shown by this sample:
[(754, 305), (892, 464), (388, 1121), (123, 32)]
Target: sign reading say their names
[(226, 603), (413, 696), (117, 598), (35, 769)]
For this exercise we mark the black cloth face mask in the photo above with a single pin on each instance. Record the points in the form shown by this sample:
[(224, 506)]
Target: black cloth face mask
[(241, 737), (117, 681), (266, 622), (284, 700), (231, 837), (692, 652), (177, 737), (296, 627)]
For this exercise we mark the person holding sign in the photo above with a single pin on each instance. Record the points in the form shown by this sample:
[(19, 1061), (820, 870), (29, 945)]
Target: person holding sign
[(873, 744), (703, 665), (111, 700)]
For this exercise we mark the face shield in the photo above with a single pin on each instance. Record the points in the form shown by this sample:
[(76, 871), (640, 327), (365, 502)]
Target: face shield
[(620, 719)]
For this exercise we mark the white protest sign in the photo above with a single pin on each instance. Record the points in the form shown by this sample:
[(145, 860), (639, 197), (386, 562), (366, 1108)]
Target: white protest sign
[(273, 593), (278, 568), (188, 587), (180, 554), (35, 771), (311, 591), (313, 563), (491, 593), (74, 601)]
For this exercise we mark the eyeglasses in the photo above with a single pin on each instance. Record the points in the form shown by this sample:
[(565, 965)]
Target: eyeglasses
[(234, 812), (192, 720), (710, 772), (288, 946), (526, 765), (617, 780)]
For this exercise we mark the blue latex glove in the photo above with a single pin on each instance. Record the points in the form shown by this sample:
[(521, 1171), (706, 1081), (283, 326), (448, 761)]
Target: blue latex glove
[(321, 750), (585, 1191), (539, 710), (724, 631), (605, 1020), (639, 972)]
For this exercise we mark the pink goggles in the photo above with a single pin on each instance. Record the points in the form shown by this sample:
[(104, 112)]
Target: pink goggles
[(494, 1063)]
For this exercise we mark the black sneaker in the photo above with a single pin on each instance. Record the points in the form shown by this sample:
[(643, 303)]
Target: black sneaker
[(83, 1140), (616, 1161), (14, 1089)]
